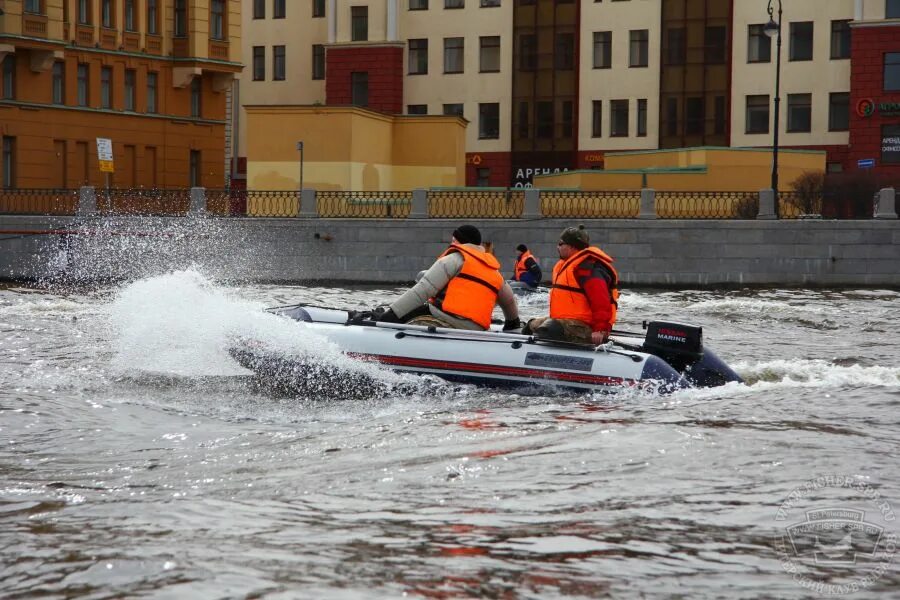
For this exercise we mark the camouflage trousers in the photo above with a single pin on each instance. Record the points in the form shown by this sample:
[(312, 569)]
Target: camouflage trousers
[(429, 321), (567, 330)]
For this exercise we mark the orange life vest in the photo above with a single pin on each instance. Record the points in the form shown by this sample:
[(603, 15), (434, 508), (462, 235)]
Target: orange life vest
[(472, 293), (567, 298), (520, 265)]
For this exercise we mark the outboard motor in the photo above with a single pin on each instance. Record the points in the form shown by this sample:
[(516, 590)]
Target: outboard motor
[(681, 346)]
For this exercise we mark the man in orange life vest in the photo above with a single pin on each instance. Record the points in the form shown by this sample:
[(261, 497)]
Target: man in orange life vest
[(527, 269), (458, 291), (584, 295)]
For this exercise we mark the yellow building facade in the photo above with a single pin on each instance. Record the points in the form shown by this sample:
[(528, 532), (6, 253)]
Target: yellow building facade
[(351, 148)]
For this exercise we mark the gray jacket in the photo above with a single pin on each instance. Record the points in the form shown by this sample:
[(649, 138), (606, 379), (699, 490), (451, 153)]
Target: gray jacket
[(436, 279)]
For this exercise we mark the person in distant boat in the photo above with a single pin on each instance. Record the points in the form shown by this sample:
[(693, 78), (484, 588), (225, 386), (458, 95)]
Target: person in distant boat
[(584, 295), (527, 269), (458, 291)]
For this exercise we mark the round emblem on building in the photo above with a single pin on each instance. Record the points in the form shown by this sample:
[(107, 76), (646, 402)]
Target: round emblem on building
[(865, 107), (837, 535)]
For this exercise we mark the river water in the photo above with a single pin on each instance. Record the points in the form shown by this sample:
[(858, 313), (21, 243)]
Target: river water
[(136, 459)]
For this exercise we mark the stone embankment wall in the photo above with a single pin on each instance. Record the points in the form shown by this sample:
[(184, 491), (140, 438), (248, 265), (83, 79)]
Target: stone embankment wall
[(678, 253)]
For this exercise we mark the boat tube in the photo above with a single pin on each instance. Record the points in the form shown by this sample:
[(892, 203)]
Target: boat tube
[(669, 357)]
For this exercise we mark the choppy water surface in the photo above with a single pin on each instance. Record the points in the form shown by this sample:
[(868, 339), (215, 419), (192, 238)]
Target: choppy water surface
[(137, 459)]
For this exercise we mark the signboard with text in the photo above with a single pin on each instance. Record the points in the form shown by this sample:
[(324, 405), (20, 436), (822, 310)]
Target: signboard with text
[(105, 155), (890, 144)]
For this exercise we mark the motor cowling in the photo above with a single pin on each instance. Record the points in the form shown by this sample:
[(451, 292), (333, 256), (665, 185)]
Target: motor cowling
[(685, 341)]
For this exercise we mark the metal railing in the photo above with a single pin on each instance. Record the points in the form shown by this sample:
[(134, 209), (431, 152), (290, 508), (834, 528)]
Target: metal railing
[(707, 205), (364, 205), (590, 205), (448, 204), (38, 201), (482, 204), (143, 201)]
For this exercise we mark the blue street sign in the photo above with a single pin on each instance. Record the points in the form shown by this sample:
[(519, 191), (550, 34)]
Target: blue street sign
[(865, 163)]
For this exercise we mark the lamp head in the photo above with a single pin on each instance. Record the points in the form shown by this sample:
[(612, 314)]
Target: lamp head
[(771, 28)]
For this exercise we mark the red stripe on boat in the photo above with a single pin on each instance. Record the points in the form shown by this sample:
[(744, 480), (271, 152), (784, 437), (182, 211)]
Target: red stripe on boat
[(444, 365)]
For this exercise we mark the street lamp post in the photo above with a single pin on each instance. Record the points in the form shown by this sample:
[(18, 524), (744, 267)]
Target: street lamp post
[(300, 148), (773, 29)]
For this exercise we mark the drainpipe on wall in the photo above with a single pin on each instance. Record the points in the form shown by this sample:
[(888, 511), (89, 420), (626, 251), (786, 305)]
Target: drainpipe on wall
[(858, 13), (391, 20), (332, 21)]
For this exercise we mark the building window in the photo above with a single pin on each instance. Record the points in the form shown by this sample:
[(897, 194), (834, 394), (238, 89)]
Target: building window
[(567, 122), (759, 45), (318, 61), (676, 46), (105, 87), (418, 4), (672, 125), (840, 40), (602, 49), (278, 63), (544, 120), (489, 55), (527, 52), (758, 114), (84, 12), (180, 18), (418, 57), (152, 17), (892, 71), (799, 115), (715, 41), (719, 116), (564, 54), (278, 9), (618, 118), (642, 117), (489, 3), (130, 79), (9, 77), (196, 97), (417, 109), (106, 13), (892, 9), (259, 9), (359, 88), (890, 144), (318, 9), (194, 168), (524, 121), (489, 121), (483, 177), (130, 22), (454, 53), (839, 111), (802, 41), (9, 162), (454, 3), (83, 72), (217, 17), (453, 110), (152, 85), (834, 167), (637, 54), (59, 82), (259, 63), (359, 23), (597, 118), (33, 7), (694, 116)]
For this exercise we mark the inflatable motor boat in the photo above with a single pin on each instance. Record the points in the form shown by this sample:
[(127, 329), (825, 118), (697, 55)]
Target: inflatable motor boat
[(520, 288), (667, 357)]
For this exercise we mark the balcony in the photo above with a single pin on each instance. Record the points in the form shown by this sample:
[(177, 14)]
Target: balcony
[(181, 47), (131, 41), (34, 25), (109, 38), (218, 50), (84, 35), (153, 44)]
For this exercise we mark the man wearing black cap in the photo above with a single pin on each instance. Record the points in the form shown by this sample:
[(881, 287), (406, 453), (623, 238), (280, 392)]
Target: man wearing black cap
[(459, 290), (584, 295), (527, 270)]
